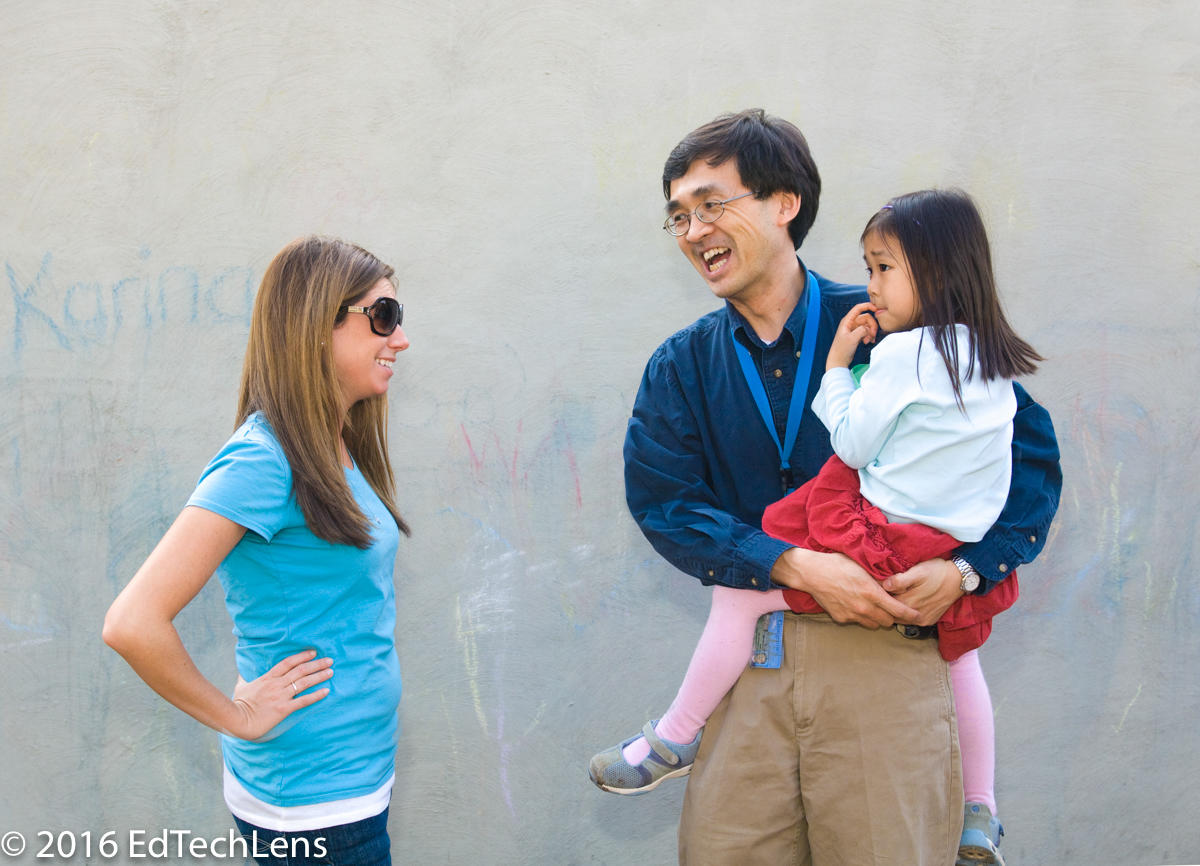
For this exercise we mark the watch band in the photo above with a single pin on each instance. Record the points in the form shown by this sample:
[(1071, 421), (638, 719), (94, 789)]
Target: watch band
[(970, 577)]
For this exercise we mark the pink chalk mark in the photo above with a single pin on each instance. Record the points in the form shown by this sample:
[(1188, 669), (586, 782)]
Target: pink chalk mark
[(516, 451), (571, 462), (476, 461)]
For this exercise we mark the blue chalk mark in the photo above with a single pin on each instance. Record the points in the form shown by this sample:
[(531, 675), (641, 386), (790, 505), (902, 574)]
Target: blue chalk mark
[(25, 308), (37, 635), (90, 330), (480, 524)]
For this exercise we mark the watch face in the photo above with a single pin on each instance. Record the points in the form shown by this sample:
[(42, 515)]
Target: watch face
[(970, 582)]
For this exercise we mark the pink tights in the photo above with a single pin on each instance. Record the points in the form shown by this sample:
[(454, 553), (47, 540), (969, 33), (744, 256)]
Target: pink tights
[(723, 653), (976, 729), (720, 657)]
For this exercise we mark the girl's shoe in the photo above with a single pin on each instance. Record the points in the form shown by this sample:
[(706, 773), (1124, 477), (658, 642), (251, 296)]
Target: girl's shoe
[(666, 760), (980, 841)]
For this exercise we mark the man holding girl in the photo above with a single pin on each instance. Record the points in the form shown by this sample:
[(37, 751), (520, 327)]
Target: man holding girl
[(848, 752)]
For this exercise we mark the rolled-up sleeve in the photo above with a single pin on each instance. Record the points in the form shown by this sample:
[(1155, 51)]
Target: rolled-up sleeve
[(1019, 533)]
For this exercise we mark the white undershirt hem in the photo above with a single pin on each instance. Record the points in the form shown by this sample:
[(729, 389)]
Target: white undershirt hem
[(314, 816)]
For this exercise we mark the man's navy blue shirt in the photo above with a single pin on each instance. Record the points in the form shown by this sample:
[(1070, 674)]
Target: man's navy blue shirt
[(701, 467)]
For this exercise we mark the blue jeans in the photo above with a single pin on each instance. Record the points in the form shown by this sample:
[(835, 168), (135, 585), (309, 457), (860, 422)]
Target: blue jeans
[(362, 843)]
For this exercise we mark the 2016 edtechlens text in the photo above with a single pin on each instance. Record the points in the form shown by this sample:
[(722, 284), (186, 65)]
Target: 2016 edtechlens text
[(154, 845)]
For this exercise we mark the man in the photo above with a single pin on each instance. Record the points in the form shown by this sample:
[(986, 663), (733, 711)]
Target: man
[(848, 752)]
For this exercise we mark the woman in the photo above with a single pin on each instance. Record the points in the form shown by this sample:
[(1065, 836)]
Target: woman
[(296, 516)]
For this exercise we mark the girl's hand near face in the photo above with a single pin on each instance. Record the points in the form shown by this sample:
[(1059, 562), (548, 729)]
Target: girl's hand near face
[(858, 326)]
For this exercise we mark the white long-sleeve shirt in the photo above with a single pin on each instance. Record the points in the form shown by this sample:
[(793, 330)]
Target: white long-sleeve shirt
[(920, 458)]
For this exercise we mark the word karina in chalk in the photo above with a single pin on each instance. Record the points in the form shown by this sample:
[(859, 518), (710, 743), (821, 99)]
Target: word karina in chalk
[(91, 311)]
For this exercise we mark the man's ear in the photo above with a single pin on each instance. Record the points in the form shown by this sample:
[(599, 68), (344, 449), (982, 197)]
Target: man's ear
[(789, 206)]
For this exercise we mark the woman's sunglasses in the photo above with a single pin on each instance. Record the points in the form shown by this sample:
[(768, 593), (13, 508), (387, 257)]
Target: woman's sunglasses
[(386, 315)]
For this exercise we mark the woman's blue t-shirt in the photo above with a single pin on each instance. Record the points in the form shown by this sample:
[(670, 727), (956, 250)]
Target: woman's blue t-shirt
[(289, 591)]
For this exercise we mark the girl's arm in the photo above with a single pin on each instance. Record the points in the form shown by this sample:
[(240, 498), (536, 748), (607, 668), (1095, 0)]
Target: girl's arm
[(139, 625), (861, 419)]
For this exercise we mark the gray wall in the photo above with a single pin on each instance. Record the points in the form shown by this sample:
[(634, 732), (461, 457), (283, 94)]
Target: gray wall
[(154, 156)]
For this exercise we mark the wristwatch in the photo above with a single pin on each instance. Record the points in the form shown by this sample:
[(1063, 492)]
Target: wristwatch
[(970, 577)]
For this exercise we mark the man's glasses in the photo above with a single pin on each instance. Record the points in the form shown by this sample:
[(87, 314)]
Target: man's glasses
[(708, 212), (386, 315)]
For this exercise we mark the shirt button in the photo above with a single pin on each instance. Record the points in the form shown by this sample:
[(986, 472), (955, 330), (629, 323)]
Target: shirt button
[(1002, 568), (711, 572), (778, 373), (754, 581), (1033, 538), (797, 354)]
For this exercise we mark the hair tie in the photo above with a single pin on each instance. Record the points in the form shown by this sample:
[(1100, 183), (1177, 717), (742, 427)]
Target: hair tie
[(889, 207)]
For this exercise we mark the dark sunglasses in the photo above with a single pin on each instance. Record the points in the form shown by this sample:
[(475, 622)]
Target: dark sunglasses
[(386, 315)]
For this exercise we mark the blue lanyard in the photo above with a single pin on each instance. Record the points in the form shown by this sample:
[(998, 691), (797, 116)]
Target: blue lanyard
[(808, 349)]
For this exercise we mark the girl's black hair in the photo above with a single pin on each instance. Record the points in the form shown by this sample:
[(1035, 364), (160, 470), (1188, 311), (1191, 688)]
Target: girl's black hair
[(945, 244)]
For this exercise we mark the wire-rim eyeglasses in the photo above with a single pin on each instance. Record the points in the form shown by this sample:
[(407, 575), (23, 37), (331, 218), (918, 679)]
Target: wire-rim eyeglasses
[(677, 224)]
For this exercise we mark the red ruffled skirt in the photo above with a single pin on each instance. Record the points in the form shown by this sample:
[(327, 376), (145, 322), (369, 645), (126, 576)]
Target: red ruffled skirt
[(829, 514)]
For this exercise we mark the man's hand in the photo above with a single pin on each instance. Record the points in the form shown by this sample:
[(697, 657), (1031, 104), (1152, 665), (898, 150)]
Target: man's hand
[(929, 587), (843, 589), (858, 326)]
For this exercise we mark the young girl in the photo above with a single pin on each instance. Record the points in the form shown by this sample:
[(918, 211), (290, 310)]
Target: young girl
[(922, 462), (296, 515)]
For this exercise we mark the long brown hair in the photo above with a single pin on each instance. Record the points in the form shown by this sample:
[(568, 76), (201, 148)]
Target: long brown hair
[(942, 237), (289, 377)]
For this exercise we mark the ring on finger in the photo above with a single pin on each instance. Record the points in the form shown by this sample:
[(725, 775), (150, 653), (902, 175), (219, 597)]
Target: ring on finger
[(294, 688)]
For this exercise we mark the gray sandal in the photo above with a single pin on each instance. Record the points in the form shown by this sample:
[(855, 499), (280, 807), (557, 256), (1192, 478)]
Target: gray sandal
[(667, 760)]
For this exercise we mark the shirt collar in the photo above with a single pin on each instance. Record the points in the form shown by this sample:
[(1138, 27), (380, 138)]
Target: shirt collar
[(794, 326)]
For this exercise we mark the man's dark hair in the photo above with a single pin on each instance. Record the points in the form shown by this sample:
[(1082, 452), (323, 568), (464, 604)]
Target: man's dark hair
[(771, 154)]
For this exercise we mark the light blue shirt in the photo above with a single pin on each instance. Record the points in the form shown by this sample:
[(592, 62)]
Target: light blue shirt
[(920, 458), (287, 591)]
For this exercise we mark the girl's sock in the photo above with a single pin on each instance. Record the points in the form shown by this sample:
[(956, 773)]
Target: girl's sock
[(976, 729), (720, 657)]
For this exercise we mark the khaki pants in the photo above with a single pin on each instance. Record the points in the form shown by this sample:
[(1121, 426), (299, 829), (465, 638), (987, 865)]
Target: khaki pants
[(847, 754)]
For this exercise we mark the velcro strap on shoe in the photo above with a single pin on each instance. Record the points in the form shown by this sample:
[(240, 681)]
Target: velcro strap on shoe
[(660, 748)]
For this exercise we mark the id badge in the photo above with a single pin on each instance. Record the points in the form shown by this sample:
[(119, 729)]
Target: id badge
[(768, 641)]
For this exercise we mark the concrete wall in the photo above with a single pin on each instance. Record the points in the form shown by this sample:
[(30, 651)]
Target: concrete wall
[(506, 158)]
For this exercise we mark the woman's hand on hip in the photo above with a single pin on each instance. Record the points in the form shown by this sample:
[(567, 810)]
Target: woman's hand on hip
[(264, 702)]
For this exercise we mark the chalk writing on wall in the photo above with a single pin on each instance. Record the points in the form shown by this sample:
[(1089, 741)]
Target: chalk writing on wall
[(82, 313)]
